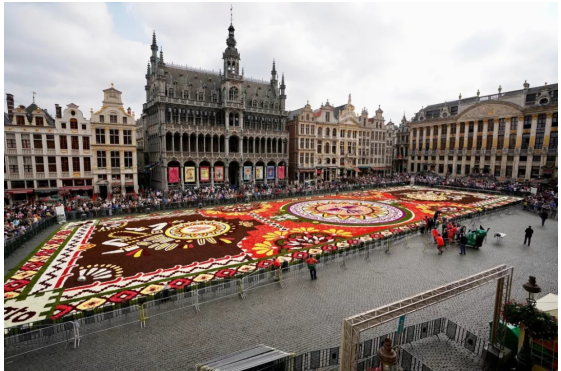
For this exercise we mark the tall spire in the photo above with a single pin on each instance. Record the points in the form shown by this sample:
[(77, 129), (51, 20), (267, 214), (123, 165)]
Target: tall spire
[(161, 55), (154, 44), (274, 71), (349, 99)]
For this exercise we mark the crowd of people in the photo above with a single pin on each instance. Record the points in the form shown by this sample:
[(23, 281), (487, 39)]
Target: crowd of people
[(19, 217)]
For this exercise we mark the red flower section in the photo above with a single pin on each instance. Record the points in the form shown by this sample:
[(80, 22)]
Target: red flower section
[(32, 266), (264, 264), (225, 273), (123, 296), (46, 252), (14, 285), (179, 283), (60, 311), (329, 248), (299, 255)]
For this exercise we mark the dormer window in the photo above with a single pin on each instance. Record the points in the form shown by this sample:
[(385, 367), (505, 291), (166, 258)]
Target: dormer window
[(73, 124), (39, 121), (101, 118), (20, 120), (201, 96), (170, 93), (113, 119), (124, 120), (214, 98)]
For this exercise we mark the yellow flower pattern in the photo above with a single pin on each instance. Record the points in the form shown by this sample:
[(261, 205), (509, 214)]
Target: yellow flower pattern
[(264, 248)]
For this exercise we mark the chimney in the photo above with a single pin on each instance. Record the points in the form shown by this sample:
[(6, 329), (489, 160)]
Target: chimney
[(129, 110), (21, 106), (10, 102), (58, 111)]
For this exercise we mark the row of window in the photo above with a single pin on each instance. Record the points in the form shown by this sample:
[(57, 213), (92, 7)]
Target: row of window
[(310, 130), (534, 170), (46, 183), (525, 144), (51, 164), (50, 141), (115, 158), (114, 177), (470, 126), (73, 125), (114, 138), (535, 158), (113, 119)]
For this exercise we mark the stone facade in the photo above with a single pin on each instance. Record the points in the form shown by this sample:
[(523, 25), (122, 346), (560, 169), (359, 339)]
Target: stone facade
[(333, 142), (114, 146), (45, 156), (378, 142), (212, 128), (508, 135), (402, 147)]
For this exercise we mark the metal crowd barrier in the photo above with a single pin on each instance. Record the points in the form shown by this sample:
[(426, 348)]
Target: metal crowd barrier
[(14, 243)]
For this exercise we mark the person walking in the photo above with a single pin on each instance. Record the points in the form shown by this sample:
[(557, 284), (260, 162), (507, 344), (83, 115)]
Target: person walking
[(439, 244), (434, 234), (463, 243), (543, 215), (312, 267), (528, 235)]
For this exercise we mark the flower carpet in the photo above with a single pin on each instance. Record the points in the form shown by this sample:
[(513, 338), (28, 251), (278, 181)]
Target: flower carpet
[(106, 262)]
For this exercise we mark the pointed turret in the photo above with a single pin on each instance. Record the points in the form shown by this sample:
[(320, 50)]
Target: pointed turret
[(274, 72), (161, 55), (154, 44), (282, 93)]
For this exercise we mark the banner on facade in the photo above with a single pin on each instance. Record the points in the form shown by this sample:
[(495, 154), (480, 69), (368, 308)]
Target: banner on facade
[(270, 172), (259, 172), (173, 174), (190, 174), (205, 174), (247, 173), (412, 180), (280, 170), (219, 173)]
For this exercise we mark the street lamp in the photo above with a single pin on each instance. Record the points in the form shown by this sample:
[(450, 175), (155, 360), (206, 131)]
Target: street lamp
[(524, 358), (387, 356)]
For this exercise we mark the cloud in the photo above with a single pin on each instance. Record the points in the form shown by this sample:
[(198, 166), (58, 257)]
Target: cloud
[(398, 56)]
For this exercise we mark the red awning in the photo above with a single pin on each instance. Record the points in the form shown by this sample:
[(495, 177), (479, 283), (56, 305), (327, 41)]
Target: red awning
[(76, 188), (306, 171), (129, 183), (356, 169), (19, 191)]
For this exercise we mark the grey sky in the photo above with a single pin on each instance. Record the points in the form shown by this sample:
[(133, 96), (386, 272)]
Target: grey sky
[(398, 56)]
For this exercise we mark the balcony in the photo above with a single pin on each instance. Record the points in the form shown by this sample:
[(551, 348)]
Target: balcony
[(52, 175), (40, 175), (26, 151), (232, 104), (75, 152), (28, 175), (11, 151), (65, 174), (14, 175), (87, 173), (51, 151), (37, 151)]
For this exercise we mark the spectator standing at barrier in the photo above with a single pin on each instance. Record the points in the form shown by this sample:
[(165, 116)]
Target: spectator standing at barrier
[(426, 224), (312, 267), (277, 267), (436, 215), (543, 215), (528, 235), (463, 243), (439, 244)]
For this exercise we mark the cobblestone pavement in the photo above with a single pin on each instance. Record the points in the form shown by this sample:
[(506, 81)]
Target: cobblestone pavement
[(307, 315)]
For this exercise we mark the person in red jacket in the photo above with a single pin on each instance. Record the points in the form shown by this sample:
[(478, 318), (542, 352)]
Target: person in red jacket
[(434, 234), (277, 265), (312, 267), (451, 233), (439, 243)]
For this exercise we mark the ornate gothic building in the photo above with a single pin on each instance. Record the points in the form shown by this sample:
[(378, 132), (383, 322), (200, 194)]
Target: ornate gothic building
[(212, 128)]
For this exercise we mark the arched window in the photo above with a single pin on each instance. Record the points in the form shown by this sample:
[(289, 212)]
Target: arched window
[(266, 105), (233, 94), (254, 103), (320, 132), (334, 133)]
